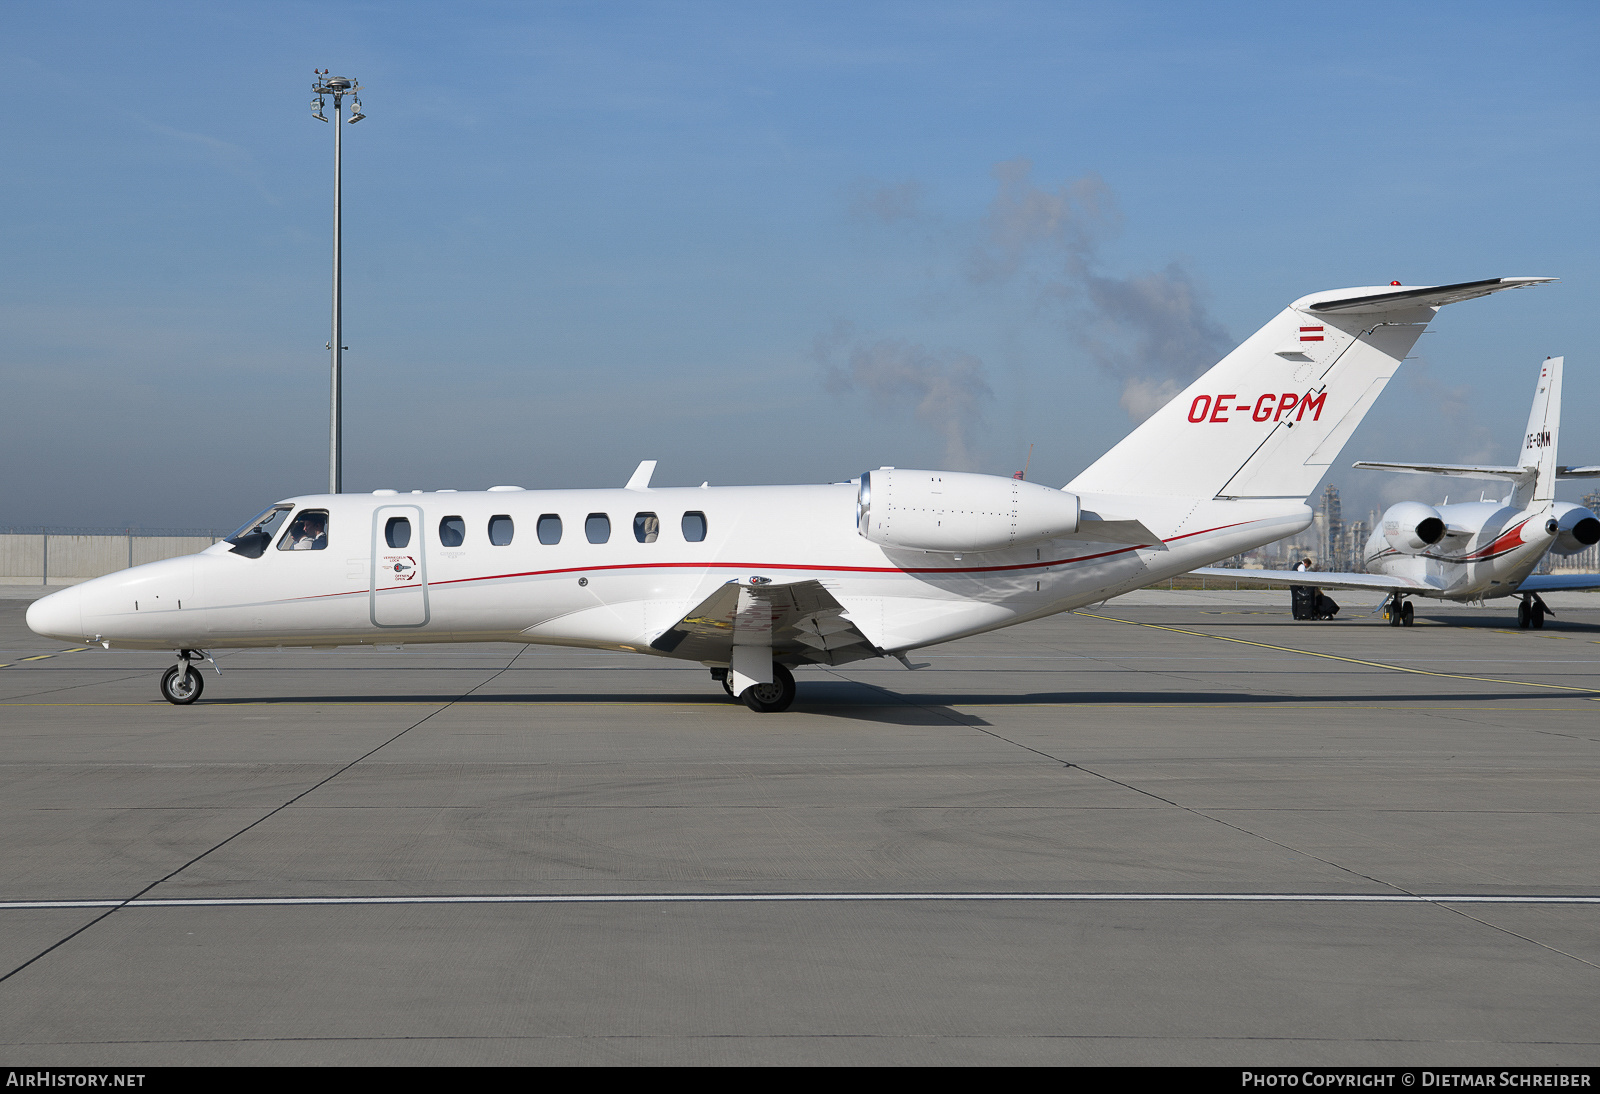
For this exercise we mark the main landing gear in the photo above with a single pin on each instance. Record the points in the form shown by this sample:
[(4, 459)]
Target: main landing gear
[(182, 683), (1399, 612), (762, 698), (1531, 612)]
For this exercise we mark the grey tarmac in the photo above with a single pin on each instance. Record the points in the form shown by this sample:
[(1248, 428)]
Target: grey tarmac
[(1177, 828)]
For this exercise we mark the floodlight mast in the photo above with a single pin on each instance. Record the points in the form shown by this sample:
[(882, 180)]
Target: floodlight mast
[(338, 87)]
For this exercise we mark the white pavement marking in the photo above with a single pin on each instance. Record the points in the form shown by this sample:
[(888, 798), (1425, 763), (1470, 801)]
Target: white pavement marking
[(757, 898)]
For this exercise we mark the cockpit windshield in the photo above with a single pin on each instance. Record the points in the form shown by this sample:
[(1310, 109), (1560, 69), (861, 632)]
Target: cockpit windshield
[(254, 534)]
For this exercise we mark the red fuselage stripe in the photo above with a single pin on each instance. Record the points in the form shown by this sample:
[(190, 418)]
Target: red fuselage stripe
[(758, 567)]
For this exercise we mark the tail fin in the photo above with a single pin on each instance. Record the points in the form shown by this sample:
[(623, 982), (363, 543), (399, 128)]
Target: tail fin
[(1539, 442), (1268, 420)]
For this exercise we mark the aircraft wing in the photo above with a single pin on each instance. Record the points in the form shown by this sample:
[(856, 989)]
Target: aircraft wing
[(801, 621), (1551, 583), (1578, 472), (1320, 578), (1462, 470)]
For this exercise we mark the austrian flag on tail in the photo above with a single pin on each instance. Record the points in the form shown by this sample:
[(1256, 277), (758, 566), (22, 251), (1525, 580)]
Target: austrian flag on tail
[(1310, 334)]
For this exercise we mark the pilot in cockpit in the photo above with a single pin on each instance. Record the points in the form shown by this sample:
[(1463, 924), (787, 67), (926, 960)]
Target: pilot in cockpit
[(308, 532)]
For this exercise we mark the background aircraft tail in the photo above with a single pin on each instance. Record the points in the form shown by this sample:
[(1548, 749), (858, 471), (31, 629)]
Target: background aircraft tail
[(1269, 419), (1539, 440)]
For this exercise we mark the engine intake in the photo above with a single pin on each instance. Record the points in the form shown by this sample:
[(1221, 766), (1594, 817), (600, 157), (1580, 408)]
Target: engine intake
[(1410, 527), (953, 511), (1575, 529)]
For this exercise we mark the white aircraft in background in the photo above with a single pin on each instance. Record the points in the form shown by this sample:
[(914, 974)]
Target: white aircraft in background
[(1477, 550), (750, 581)]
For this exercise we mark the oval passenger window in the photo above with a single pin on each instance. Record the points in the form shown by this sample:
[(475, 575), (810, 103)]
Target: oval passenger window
[(501, 529), (646, 527), (597, 527), (549, 529), (694, 527), (452, 532), (397, 533)]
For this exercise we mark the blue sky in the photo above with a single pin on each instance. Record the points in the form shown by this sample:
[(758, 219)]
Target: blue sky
[(756, 242)]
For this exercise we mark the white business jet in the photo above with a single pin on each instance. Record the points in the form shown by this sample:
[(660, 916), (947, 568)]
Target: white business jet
[(1477, 550), (751, 581)]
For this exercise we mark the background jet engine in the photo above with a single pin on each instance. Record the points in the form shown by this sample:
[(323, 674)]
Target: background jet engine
[(1410, 527), (1576, 528), (952, 512)]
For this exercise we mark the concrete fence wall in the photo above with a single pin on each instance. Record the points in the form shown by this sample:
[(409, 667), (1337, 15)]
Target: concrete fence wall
[(38, 559)]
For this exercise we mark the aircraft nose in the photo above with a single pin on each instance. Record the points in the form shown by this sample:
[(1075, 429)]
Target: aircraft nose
[(59, 615)]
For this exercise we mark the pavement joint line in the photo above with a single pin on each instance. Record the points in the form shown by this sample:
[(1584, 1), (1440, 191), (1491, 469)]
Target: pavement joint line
[(989, 730), (813, 898), (269, 814), (1587, 693)]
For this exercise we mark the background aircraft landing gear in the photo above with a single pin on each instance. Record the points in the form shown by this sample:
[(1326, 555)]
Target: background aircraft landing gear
[(773, 697), (1530, 613), (1395, 611), (181, 684), (1407, 614)]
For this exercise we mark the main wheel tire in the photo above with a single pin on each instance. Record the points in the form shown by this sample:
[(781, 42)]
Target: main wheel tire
[(1524, 615), (1395, 614), (774, 697), (1407, 614), (1536, 617), (181, 691)]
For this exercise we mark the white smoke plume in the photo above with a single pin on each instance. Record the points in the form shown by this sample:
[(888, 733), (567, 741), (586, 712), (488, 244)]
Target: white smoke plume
[(1151, 330), (946, 391)]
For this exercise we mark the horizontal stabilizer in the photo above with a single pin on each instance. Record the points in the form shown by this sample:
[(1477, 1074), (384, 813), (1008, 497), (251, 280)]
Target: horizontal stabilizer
[(1578, 472), (1320, 579), (1431, 296), (1554, 583), (1460, 470)]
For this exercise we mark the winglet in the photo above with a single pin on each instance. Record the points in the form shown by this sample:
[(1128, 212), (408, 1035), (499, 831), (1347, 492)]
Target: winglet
[(641, 476)]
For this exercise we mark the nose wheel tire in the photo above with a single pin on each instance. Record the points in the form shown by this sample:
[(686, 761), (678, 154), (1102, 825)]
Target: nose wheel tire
[(774, 697), (181, 690)]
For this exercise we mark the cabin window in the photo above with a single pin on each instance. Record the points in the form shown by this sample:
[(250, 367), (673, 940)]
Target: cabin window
[(694, 527), (549, 529), (255, 535), (397, 532), (501, 529), (597, 528), (452, 532), (308, 531), (646, 527)]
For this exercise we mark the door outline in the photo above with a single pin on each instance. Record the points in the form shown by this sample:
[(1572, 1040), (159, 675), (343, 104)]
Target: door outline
[(419, 537)]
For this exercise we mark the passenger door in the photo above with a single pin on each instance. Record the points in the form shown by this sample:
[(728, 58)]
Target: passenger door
[(399, 576)]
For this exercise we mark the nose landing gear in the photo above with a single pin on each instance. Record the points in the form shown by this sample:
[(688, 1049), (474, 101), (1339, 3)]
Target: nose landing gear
[(182, 684)]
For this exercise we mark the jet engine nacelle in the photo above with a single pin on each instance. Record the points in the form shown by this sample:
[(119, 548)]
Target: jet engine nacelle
[(952, 511), (1410, 526), (1576, 528)]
